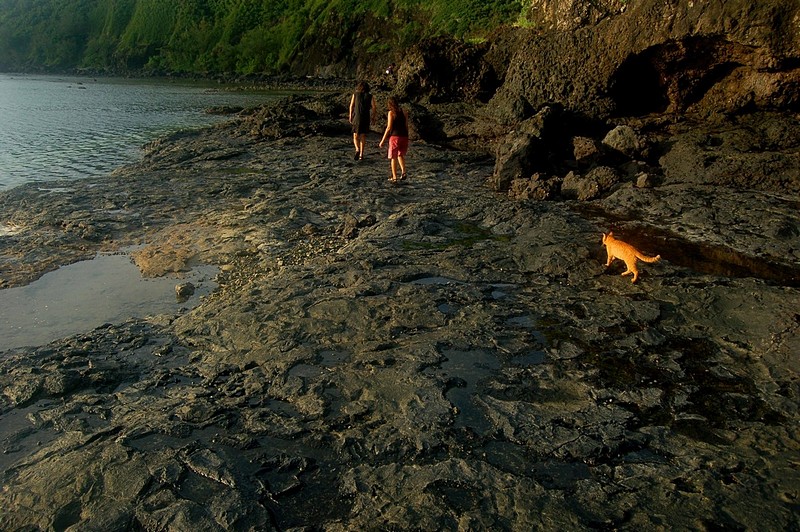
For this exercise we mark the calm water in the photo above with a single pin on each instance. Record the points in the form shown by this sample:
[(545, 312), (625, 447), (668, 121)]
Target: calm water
[(54, 128), (82, 296), (71, 128)]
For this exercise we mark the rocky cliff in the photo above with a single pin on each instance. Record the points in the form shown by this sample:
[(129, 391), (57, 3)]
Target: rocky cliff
[(617, 58), (684, 89)]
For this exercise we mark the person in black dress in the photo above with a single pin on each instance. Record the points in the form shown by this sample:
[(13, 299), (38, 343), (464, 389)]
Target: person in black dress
[(362, 113)]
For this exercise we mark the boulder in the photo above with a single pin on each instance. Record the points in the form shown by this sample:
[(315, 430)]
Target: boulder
[(580, 187), (523, 151), (585, 150), (444, 69), (536, 188), (184, 291), (625, 140)]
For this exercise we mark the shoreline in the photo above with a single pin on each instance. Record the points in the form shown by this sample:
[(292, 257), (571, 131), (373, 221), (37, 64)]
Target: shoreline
[(94, 130), (428, 355), (243, 83)]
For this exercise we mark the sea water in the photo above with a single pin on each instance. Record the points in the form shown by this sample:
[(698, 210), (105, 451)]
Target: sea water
[(54, 127), (70, 128)]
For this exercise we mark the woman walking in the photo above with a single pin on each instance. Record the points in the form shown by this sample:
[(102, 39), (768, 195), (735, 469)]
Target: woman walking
[(363, 111), (397, 133)]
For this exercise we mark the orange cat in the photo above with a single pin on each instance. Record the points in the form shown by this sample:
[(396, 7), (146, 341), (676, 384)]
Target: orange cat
[(617, 249)]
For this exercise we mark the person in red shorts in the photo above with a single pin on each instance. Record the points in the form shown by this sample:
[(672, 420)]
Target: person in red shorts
[(397, 133)]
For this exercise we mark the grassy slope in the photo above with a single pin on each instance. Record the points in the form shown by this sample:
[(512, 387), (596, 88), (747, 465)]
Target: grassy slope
[(229, 36)]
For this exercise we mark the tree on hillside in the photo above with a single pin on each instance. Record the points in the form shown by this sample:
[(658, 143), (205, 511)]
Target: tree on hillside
[(236, 36)]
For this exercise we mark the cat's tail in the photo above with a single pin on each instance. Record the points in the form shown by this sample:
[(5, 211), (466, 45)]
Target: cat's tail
[(648, 259)]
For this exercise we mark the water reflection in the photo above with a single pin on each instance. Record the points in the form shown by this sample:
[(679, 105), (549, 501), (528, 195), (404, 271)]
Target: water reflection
[(702, 257), (71, 128), (79, 297)]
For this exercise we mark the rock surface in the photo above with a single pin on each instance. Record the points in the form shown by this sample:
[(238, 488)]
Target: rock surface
[(432, 355), (612, 57)]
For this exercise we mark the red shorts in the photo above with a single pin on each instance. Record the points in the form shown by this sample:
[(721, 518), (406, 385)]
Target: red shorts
[(397, 146)]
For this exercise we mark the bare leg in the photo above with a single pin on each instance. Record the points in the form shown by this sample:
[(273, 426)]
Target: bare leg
[(355, 140), (360, 146), (394, 169), (402, 160)]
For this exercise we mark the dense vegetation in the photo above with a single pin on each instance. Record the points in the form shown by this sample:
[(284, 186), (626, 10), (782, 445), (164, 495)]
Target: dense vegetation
[(229, 36)]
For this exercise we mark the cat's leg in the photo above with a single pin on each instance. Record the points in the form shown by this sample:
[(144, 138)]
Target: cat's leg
[(610, 258), (630, 269)]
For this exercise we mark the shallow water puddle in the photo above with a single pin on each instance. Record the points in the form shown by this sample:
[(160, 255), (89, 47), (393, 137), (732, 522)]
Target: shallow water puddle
[(465, 373), (713, 259), (17, 433), (435, 280), (466, 370), (84, 295), (704, 258), (500, 291)]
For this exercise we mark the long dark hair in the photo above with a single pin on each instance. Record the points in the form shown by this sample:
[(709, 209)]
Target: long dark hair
[(362, 86), (394, 105)]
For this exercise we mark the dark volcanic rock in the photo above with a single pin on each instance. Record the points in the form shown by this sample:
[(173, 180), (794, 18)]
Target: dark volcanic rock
[(443, 69), (420, 356), (717, 63), (708, 60), (702, 57), (432, 355), (524, 151), (757, 151)]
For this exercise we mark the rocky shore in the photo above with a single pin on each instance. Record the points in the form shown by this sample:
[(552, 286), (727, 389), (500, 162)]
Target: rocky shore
[(433, 355)]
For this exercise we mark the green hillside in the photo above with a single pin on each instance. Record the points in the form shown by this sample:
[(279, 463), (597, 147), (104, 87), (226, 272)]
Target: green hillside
[(230, 36)]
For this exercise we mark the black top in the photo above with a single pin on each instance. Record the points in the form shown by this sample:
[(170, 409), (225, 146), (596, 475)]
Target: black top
[(361, 110), (399, 125)]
